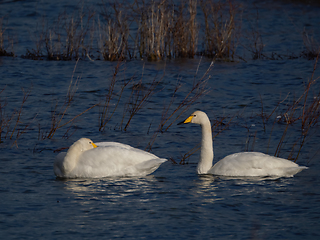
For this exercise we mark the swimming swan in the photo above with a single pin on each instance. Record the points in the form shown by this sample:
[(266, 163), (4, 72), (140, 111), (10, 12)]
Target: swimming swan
[(84, 159), (243, 164)]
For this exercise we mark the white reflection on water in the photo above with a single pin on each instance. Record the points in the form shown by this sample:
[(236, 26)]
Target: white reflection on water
[(112, 189), (214, 189)]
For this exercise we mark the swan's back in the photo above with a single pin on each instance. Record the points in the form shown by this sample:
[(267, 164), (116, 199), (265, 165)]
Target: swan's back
[(255, 164), (114, 144)]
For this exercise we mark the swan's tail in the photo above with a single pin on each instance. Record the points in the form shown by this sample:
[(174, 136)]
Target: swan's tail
[(294, 170), (149, 166)]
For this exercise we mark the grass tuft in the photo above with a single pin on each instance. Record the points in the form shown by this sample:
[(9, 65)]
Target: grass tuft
[(3, 41)]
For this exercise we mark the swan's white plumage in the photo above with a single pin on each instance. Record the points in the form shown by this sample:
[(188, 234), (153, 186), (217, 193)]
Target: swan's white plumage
[(243, 164), (105, 159)]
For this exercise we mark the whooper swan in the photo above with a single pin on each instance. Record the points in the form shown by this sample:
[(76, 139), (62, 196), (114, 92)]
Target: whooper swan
[(243, 164), (84, 159)]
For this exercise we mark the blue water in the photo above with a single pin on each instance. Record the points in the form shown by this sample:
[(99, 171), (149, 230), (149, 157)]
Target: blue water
[(173, 202)]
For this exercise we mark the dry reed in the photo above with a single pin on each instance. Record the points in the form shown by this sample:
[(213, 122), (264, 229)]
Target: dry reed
[(303, 111), (312, 47), (11, 124), (306, 111), (255, 43), (114, 34), (59, 112), (69, 38), (220, 29), (186, 30), (171, 114), (106, 112), (140, 94), (5, 41), (154, 22), (153, 30), (163, 30)]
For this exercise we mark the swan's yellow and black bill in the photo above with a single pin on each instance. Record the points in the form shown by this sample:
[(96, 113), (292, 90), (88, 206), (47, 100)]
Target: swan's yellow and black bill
[(188, 120), (94, 146)]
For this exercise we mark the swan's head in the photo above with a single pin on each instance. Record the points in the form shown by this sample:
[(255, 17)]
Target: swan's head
[(197, 117), (84, 144), (70, 160)]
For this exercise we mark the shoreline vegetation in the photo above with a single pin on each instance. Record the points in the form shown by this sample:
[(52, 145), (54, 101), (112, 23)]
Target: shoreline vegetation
[(155, 30), (158, 30)]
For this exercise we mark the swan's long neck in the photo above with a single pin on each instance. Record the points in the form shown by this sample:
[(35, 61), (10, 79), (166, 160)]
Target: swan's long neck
[(206, 156)]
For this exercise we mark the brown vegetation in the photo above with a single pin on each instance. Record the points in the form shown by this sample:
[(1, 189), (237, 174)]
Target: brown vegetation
[(11, 124), (69, 38), (60, 110), (3, 40), (302, 113), (220, 28), (153, 30)]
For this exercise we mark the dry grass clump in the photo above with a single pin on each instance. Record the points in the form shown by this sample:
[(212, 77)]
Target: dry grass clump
[(114, 33), (220, 28), (153, 38), (3, 40), (312, 47), (186, 30), (165, 30), (154, 30), (69, 37)]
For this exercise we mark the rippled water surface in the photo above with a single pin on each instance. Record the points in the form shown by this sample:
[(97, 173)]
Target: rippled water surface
[(174, 202)]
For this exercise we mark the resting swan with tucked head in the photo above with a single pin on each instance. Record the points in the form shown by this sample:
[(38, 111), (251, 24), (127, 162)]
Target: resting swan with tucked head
[(84, 159), (243, 164)]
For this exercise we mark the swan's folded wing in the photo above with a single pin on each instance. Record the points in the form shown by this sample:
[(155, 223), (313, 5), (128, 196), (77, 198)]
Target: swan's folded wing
[(115, 161)]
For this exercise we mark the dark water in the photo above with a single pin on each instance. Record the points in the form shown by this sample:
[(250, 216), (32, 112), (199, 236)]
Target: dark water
[(173, 202)]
